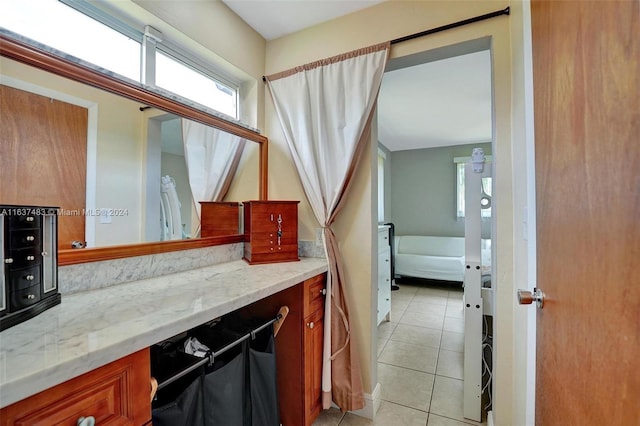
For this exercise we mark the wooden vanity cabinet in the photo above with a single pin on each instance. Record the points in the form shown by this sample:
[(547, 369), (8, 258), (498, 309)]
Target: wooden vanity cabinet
[(298, 348), (115, 394)]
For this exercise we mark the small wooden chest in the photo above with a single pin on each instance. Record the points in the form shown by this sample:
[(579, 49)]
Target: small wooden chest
[(218, 219), (270, 231)]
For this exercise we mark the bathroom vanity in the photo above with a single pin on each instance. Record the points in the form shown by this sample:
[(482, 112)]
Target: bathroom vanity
[(89, 356)]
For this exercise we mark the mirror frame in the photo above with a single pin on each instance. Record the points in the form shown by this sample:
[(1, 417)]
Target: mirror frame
[(47, 61)]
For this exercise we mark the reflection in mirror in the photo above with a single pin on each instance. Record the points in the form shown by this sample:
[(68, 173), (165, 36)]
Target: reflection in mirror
[(125, 149)]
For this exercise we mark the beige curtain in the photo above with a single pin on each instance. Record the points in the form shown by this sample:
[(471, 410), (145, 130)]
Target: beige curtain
[(212, 158), (324, 109)]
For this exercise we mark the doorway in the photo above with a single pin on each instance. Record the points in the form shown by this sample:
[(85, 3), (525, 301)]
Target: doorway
[(423, 130)]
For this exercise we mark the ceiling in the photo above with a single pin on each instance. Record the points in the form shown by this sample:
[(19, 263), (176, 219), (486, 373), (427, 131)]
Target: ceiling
[(440, 103), (276, 18)]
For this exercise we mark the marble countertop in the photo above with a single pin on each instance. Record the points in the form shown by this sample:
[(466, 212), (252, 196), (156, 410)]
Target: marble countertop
[(93, 328)]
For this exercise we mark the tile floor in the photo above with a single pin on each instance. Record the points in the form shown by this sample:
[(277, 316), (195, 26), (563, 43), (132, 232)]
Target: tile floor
[(419, 361)]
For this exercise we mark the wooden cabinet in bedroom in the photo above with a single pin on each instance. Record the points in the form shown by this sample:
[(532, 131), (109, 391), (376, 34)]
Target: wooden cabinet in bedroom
[(384, 274)]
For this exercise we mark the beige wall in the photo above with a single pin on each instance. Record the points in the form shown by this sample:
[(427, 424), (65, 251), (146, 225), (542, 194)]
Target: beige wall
[(376, 24)]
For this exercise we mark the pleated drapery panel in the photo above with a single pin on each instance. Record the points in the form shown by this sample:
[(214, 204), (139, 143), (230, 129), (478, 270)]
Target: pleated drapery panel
[(324, 109), (212, 158)]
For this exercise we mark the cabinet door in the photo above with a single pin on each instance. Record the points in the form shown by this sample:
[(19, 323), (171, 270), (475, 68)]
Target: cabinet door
[(313, 339), (116, 394)]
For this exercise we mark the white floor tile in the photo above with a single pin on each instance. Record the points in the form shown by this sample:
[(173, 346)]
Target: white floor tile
[(385, 329), (330, 417), (455, 295), (423, 319), (435, 420), (405, 387), (453, 324), (450, 364), (434, 299), (417, 305), (448, 398), (407, 355), (452, 341), (455, 309), (388, 414), (417, 335)]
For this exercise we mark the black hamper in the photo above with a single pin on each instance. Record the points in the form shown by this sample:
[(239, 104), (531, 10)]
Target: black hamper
[(234, 386), (262, 379), (225, 392), (180, 402)]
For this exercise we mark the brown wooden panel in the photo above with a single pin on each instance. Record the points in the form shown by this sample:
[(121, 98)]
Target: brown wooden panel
[(587, 128), (43, 156), (115, 394), (219, 218), (313, 343), (261, 227)]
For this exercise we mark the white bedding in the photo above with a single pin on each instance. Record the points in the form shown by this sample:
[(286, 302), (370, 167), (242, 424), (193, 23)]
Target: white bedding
[(434, 267)]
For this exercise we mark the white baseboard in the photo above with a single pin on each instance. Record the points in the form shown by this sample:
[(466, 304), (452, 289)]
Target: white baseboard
[(371, 404), (490, 418)]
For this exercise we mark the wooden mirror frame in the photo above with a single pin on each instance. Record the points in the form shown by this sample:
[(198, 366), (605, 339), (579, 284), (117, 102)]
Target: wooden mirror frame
[(47, 61)]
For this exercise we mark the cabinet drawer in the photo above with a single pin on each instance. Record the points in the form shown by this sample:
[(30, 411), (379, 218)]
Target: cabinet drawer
[(116, 394), (23, 278), (314, 294), (25, 297)]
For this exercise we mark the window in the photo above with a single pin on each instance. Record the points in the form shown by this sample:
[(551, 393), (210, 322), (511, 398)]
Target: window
[(460, 182), (381, 158), (90, 34), (80, 36), (179, 78)]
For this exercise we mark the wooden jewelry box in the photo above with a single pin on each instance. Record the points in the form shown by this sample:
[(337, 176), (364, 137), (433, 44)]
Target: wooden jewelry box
[(219, 218), (270, 231)]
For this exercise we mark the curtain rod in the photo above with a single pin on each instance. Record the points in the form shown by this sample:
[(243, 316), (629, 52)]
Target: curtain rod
[(505, 11)]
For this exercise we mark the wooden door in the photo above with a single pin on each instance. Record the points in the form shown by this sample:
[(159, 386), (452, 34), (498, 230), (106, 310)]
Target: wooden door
[(43, 157), (587, 136)]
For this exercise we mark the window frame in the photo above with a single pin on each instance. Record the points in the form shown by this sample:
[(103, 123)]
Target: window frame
[(175, 51), (460, 187)]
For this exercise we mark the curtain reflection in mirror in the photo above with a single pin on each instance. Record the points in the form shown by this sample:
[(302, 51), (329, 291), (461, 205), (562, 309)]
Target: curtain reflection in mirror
[(212, 158)]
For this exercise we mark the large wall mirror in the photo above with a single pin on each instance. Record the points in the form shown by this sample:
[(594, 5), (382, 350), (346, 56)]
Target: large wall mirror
[(128, 167)]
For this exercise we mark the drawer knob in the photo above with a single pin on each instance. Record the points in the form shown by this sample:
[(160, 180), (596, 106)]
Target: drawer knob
[(310, 324), (31, 258), (30, 296), (323, 292), (9, 260), (29, 219), (30, 238), (86, 421), (30, 277)]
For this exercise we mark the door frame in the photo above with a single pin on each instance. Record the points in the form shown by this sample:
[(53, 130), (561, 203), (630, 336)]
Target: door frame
[(524, 212)]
